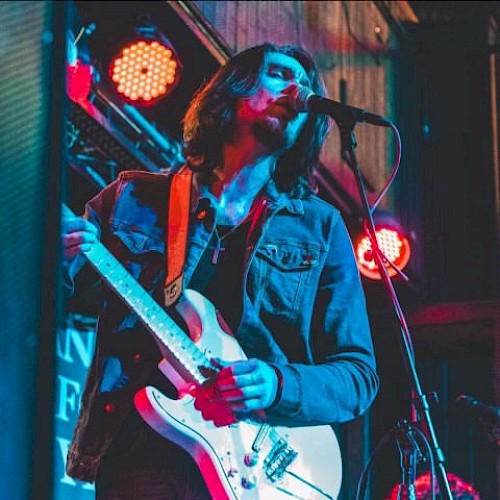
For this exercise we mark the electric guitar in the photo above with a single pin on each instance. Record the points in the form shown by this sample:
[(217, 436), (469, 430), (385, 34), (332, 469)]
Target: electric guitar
[(248, 460)]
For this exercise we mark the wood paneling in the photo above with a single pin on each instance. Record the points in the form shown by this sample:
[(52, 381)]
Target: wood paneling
[(353, 46)]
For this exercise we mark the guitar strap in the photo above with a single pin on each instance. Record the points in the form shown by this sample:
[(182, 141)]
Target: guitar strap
[(176, 234)]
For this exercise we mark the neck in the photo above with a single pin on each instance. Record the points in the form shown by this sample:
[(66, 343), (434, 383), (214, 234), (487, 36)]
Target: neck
[(246, 168)]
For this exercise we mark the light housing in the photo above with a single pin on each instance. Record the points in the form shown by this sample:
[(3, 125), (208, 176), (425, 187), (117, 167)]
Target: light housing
[(393, 243), (146, 69)]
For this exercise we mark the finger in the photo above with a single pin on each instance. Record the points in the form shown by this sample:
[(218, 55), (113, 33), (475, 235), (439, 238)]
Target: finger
[(78, 238), (219, 413), (75, 247), (226, 420), (252, 379), (78, 224), (243, 394), (238, 368), (218, 363), (207, 394), (86, 247), (247, 405)]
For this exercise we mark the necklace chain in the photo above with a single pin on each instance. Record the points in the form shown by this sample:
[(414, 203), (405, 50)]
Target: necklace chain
[(218, 245), (226, 234)]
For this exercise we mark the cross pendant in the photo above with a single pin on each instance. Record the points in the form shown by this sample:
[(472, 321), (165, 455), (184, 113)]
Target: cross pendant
[(217, 250)]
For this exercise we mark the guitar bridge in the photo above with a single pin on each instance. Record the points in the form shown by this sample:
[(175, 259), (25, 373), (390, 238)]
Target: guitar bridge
[(278, 459)]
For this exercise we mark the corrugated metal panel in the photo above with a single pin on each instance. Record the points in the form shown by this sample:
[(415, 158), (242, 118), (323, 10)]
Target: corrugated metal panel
[(24, 86)]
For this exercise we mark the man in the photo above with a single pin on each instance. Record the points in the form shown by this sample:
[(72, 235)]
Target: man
[(275, 260)]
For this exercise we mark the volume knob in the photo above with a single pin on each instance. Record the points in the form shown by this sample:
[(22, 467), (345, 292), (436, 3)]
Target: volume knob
[(251, 459), (249, 482)]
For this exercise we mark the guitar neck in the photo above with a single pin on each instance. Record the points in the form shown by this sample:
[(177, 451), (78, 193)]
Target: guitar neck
[(175, 344), (182, 350)]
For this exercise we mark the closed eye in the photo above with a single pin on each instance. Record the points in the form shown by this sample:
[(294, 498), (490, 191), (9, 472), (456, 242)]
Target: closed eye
[(277, 74), (287, 74), (283, 73)]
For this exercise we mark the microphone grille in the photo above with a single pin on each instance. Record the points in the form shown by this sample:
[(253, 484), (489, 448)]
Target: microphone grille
[(303, 95)]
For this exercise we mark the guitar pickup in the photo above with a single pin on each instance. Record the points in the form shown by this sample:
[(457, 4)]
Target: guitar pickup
[(278, 459)]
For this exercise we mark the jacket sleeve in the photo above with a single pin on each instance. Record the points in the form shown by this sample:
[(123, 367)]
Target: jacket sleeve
[(78, 273), (342, 383)]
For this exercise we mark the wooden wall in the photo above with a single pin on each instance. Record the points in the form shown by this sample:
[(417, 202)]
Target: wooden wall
[(354, 48)]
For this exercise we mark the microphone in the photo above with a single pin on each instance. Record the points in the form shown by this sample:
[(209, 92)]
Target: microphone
[(489, 414), (307, 100)]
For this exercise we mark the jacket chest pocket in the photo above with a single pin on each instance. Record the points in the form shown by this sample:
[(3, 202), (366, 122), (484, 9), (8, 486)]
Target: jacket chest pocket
[(142, 255), (285, 271)]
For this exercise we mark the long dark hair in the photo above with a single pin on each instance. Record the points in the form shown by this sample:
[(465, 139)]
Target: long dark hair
[(209, 120)]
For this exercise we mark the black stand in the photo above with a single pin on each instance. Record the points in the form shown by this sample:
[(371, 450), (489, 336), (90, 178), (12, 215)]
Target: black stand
[(410, 457), (419, 406)]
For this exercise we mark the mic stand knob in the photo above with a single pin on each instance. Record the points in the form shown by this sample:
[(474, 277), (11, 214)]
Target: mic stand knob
[(411, 456)]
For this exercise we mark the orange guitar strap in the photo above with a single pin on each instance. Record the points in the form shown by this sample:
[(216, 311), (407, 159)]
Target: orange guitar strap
[(176, 237)]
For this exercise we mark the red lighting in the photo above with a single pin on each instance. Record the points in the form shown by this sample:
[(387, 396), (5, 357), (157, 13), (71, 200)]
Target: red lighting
[(393, 244), (144, 71), (459, 488), (78, 80), (110, 408)]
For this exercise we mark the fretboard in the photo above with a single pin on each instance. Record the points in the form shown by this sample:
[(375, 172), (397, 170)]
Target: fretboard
[(173, 339)]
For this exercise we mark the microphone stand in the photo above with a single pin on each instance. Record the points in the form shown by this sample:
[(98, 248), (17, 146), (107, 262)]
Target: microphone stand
[(419, 404)]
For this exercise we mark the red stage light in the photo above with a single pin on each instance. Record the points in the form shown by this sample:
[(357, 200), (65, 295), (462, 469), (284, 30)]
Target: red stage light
[(393, 244), (145, 71), (78, 80), (423, 490)]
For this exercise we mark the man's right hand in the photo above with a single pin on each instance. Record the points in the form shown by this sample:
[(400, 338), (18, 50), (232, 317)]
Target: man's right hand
[(78, 235)]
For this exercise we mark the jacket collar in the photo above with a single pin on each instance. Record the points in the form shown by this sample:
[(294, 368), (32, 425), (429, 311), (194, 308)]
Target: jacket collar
[(275, 199), (282, 201)]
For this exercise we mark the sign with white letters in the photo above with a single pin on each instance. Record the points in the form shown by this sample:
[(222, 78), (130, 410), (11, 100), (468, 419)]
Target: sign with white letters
[(75, 347)]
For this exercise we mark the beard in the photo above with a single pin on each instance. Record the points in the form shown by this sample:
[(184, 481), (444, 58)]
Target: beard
[(272, 133)]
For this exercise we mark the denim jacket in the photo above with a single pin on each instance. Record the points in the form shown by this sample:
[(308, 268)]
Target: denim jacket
[(303, 310)]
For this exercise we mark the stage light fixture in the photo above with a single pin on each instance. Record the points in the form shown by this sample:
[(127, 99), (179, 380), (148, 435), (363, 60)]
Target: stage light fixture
[(146, 69), (78, 80), (393, 243), (79, 74)]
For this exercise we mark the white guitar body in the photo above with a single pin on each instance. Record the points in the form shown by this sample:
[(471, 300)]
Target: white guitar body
[(244, 461), (247, 460)]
